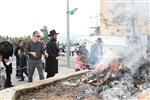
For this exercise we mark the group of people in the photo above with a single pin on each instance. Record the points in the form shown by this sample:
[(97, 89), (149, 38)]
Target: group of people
[(87, 58), (28, 58), (35, 49)]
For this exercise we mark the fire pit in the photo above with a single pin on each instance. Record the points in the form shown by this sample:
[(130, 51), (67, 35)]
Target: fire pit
[(90, 86)]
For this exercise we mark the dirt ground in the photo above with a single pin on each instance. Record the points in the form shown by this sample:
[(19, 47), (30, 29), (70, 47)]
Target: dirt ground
[(68, 89)]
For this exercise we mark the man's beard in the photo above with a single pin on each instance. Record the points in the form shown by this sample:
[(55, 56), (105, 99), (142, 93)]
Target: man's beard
[(54, 39)]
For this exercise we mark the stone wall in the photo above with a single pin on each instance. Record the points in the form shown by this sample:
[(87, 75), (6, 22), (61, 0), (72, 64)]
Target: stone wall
[(124, 17)]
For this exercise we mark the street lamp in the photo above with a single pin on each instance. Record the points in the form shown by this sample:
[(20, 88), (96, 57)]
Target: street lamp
[(68, 36)]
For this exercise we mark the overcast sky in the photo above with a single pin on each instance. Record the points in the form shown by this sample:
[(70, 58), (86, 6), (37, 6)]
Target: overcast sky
[(22, 17)]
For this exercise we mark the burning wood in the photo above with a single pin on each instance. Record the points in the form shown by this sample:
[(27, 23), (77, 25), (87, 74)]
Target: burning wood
[(112, 69), (115, 72)]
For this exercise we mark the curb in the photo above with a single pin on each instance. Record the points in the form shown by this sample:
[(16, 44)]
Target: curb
[(14, 92)]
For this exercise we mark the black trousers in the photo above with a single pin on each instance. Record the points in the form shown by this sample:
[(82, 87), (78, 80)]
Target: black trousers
[(8, 80), (50, 75), (17, 67), (24, 70), (8, 75), (72, 53)]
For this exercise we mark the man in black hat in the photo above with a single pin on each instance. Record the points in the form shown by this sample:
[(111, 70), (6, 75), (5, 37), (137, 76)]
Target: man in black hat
[(53, 55)]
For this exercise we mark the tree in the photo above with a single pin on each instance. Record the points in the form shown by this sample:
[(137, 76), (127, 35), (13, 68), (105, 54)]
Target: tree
[(14, 40), (44, 30)]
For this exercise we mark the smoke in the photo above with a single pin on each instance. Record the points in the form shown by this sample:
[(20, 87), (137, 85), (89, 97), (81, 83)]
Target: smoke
[(134, 57), (108, 57), (131, 54)]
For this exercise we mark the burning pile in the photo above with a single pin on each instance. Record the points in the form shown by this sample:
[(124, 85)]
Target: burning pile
[(124, 75), (121, 84), (108, 84)]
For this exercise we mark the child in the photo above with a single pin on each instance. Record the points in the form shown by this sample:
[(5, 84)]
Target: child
[(23, 64), (80, 63), (2, 74)]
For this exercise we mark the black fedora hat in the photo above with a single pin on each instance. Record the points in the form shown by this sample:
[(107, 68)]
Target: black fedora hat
[(99, 40), (52, 32)]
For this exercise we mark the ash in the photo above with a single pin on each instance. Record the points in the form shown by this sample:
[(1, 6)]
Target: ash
[(121, 85)]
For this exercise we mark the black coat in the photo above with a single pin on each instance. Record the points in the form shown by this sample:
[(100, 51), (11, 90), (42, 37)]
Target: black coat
[(23, 61), (16, 54), (6, 50), (51, 62), (8, 68)]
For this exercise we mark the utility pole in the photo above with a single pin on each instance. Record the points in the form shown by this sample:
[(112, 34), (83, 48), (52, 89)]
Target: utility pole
[(68, 36)]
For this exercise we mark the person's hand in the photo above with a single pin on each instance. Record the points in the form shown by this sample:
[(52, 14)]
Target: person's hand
[(33, 54), (19, 52), (46, 55), (58, 58), (60, 54)]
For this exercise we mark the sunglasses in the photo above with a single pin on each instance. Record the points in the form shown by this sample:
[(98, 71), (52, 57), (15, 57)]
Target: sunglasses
[(38, 36)]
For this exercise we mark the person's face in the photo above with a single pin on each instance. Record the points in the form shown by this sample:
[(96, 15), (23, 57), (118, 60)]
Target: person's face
[(55, 36), (37, 36), (21, 43)]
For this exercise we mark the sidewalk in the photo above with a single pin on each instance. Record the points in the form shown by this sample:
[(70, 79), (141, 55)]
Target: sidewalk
[(62, 70)]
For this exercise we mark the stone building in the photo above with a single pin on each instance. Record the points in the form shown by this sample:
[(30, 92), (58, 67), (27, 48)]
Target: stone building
[(124, 17)]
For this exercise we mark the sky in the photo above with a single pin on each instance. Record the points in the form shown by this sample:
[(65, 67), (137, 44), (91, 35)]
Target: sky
[(22, 17)]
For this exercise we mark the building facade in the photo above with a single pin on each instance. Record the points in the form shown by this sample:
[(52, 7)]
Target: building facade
[(124, 17)]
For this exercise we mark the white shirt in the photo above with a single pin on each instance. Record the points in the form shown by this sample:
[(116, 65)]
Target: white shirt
[(2, 69)]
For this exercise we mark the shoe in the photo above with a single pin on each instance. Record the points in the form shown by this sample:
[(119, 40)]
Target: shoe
[(21, 80), (11, 85), (29, 81)]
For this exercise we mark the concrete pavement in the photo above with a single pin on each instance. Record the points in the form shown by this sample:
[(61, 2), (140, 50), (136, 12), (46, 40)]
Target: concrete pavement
[(62, 70)]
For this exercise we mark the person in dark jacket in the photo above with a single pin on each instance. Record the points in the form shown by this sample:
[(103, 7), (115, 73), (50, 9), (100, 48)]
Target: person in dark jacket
[(96, 52), (17, 50), (53, 55), (23, 64), (6, 49)]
